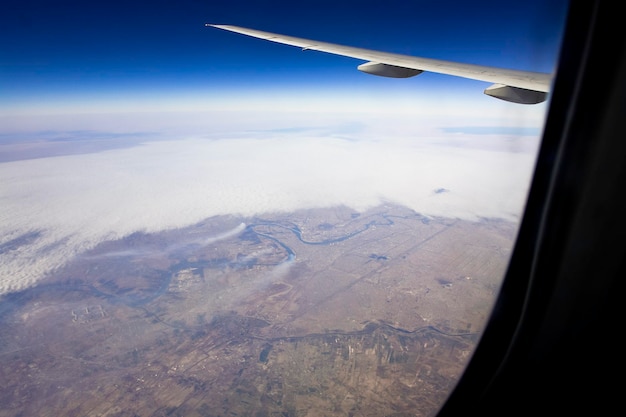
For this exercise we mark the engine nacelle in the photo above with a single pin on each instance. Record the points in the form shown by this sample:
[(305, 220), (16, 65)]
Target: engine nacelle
[(385, 70), (516, 94)]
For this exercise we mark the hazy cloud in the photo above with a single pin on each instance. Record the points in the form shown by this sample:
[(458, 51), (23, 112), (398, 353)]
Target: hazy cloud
[(495, 130), (73, 202)]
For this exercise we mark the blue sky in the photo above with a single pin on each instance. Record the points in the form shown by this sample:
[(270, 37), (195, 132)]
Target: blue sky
[(75, 52)]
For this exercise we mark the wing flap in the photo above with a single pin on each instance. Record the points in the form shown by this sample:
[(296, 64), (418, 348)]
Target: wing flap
[(515, 94), (386, 70)]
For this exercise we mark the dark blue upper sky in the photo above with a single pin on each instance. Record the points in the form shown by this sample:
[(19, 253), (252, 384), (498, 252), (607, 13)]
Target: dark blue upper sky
[(58, 49)]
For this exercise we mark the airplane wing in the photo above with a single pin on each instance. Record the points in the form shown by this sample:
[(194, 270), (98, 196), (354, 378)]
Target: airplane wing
[(516, 86)]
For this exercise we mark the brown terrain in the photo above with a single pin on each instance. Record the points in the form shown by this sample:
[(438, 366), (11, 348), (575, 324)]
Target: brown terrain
[(323, 312)]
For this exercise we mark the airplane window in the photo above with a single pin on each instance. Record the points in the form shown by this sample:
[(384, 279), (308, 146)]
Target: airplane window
[(199, 223)]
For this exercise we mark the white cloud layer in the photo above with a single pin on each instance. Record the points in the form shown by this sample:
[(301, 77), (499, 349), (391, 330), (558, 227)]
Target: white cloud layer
[(77, 201)]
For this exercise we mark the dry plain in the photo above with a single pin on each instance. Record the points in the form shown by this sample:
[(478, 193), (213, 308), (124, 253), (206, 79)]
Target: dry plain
[(322, 312)]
